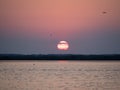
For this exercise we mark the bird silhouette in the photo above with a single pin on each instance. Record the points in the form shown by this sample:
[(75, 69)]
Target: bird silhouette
[(104, 12)]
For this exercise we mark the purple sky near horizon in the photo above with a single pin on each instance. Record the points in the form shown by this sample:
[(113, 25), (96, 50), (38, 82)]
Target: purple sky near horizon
[(37, 26)]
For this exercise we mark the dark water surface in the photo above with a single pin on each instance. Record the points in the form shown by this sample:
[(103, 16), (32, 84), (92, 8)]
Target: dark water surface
[(59, 75)]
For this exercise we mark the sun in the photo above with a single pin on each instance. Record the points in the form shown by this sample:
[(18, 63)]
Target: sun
[(63, 45)]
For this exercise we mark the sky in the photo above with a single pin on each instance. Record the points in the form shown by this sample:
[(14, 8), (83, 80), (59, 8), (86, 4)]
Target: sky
[(37, 26)]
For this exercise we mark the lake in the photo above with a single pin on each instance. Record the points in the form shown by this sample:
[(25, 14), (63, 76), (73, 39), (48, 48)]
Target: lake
[(59, 75)]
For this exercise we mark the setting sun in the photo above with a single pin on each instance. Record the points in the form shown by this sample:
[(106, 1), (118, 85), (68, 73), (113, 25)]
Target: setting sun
[(63, 45)]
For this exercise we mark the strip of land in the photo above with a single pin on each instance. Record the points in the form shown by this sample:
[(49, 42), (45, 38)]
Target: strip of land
[(59, 57)]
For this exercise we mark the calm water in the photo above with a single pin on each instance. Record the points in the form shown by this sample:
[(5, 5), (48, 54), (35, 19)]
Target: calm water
[(59, 75)]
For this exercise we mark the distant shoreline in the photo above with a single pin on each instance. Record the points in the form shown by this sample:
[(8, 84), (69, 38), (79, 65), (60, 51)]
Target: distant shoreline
[(60, 57)]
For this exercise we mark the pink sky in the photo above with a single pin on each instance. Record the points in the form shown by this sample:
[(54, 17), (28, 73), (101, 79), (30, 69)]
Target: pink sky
[(63, 19)]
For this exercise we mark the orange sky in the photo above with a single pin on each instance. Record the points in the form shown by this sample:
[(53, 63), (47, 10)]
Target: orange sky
[(61, 17), (55, 20)]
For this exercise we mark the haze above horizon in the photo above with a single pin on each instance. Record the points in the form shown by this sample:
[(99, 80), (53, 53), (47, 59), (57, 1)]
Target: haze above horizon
[(37, 26)]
